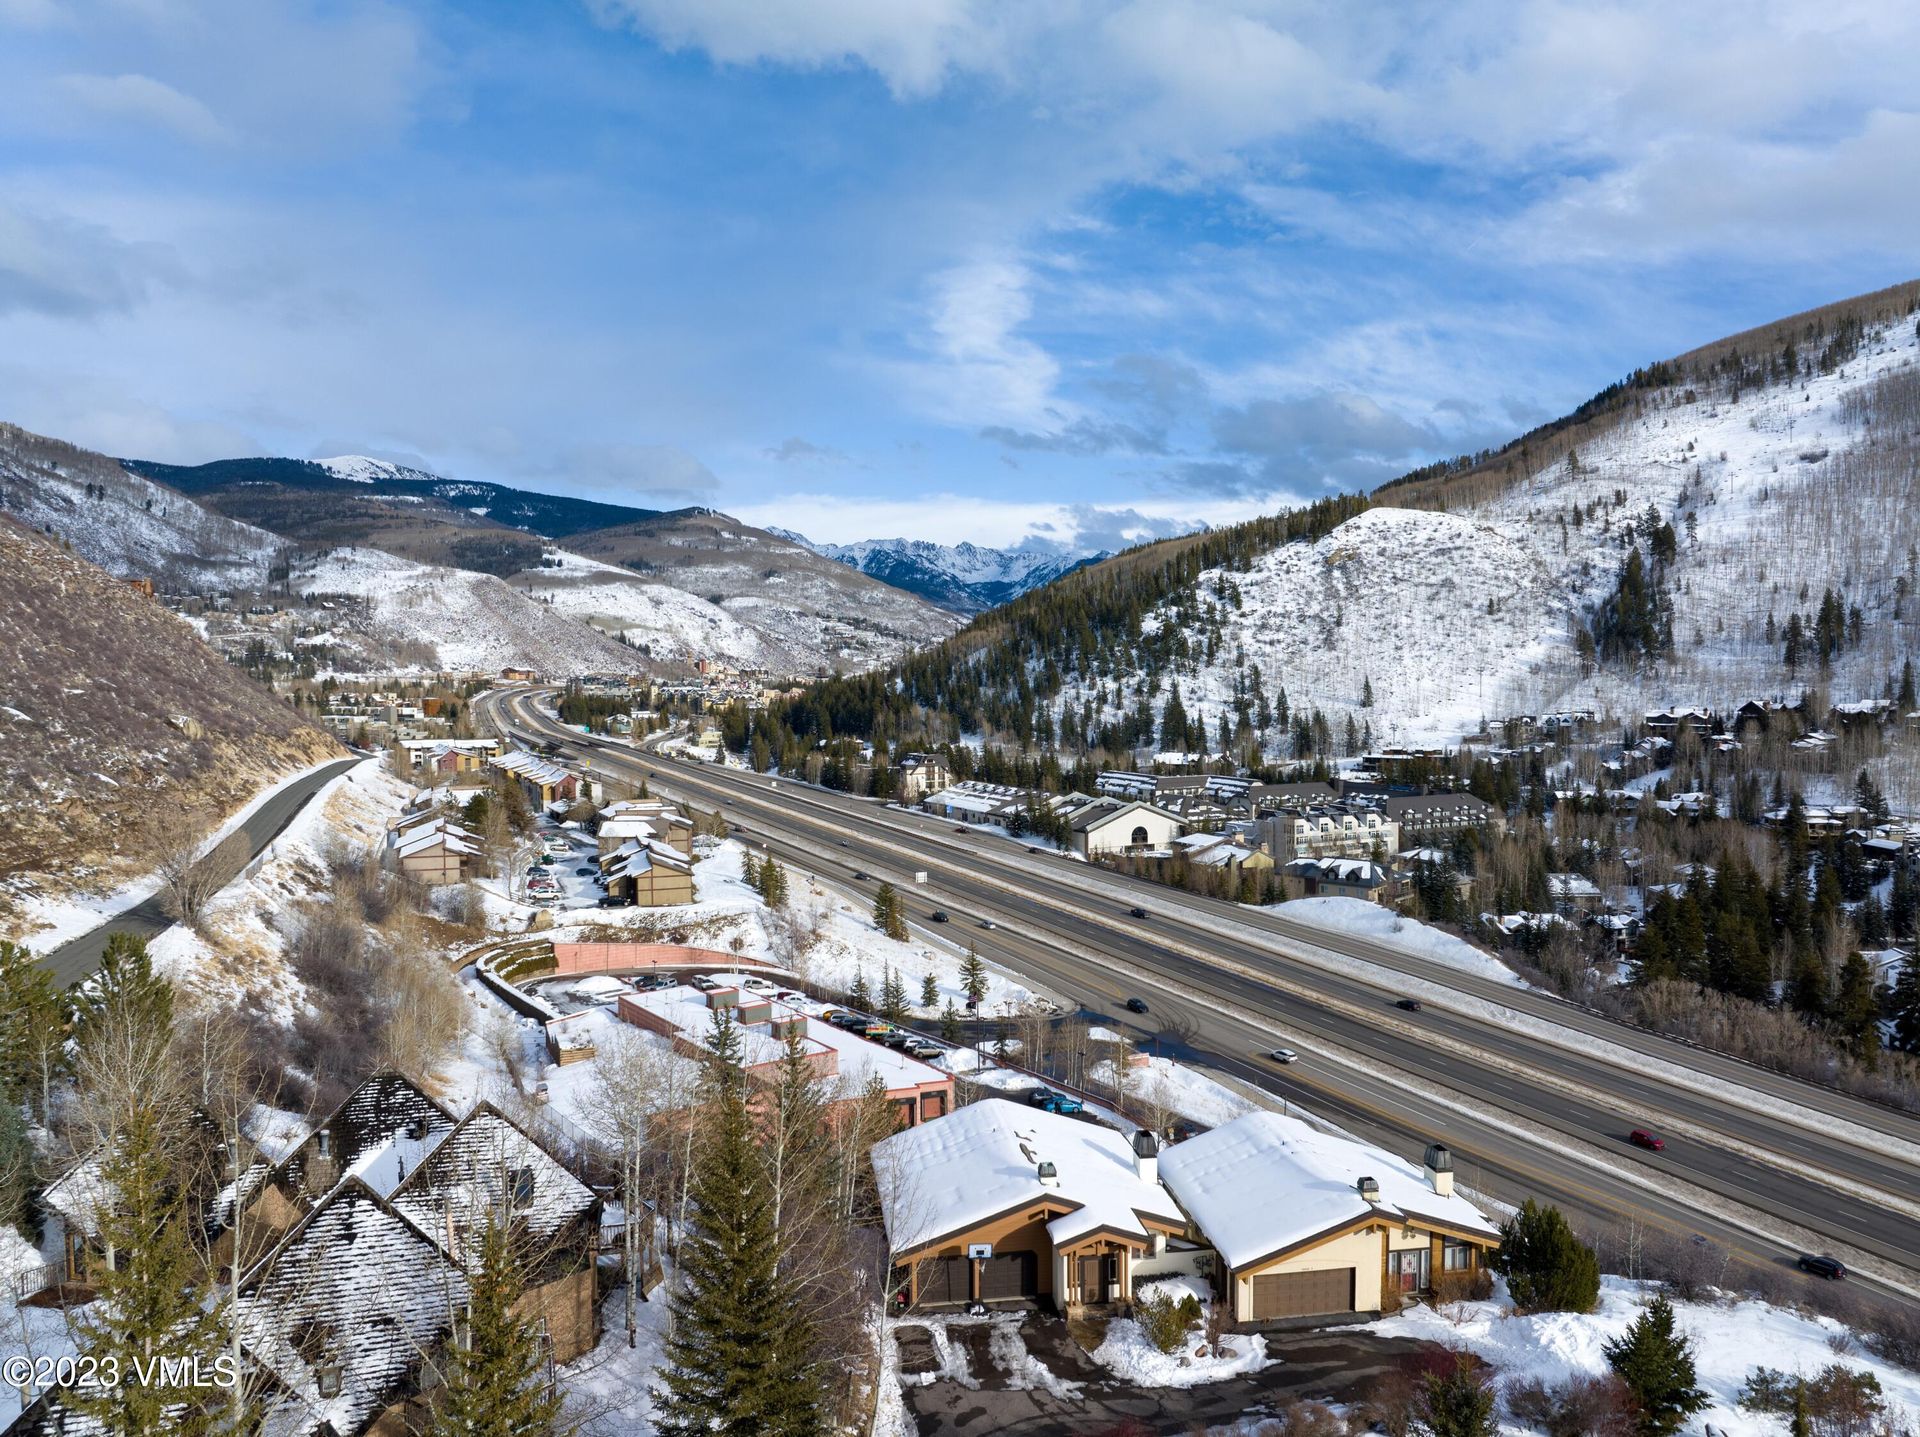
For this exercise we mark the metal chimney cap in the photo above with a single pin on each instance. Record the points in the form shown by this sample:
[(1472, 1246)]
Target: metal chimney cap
[(1145, 1144), (1439, 1159), (1369, 1189), (1048, 1172)]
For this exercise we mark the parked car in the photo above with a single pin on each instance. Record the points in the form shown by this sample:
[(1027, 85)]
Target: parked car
[(656, 982), (939, 915), (898, 1040), (1411, 1005), (921, 1048), (706, 983), (789, 995), (1051, 1102), (758, 985), (585, 870), (607, 900), (1136, 913), (1643, 1138), (1136, 1005), (1820, 1265), (1284, 1055), (841, 1018)]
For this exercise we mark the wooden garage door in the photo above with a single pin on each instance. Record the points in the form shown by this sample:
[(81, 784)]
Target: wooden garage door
[(944, 1279), (1009, 1275), (1303, 1294)]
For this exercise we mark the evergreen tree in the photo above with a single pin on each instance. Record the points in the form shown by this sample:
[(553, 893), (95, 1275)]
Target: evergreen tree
[(1457, 1401), (893, 997), (860, 995), (1907, 699), (949, 1024), (151, 1297), (125, 984), (773, 884), (929, 991), (973, 977), (1366, 693), (1856, 1012), (888, 915), (750, 872), (1903, 904), (31, 1022), (496, 1381), (738, 1360), (1867, 794), (1547, 1268), (1656, 1363), (1905, 1007)]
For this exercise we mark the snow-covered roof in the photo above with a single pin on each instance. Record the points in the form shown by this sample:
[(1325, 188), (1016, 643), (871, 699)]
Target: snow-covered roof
[(487, 1165), (944, 1177), (1264, 1183)]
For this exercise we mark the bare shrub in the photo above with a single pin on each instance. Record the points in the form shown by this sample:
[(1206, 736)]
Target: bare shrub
[(1582, 1406), (189, 879), (423, 1010), (1306, 1419)]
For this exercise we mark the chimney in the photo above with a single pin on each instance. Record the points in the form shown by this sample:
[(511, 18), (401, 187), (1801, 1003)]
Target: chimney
[(1440, 1169), (1146, 1157), (1049, 1175), (1369, 1189)]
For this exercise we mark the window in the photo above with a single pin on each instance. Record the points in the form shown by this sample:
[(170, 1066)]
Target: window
[(1139, 839), (522, 1186), (1456, 1256), (323, 1144), (326, 1380)]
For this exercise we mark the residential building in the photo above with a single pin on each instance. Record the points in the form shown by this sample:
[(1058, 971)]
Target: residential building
[(647, 873), (519, 676), (921, 774), (544, 781), (435, 852), (1311, 1226), (644, 819), (846, 1061), (972, 801), (1437, 817), (999, 1201), (1333, 831), (1110, 825), (1342, 878)]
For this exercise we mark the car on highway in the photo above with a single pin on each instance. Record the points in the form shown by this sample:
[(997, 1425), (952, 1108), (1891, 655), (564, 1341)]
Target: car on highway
[(841, 841), (959, 828), (1410, 1005), (860, 875), (939, 915), (1646, 1138), (1032, 849), (1136, 913), (1284, 1055), (1820, 1265), (988, 923), (1136, 1005)]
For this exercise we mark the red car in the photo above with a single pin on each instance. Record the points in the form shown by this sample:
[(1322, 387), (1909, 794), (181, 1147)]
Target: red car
[(1652, 1142)]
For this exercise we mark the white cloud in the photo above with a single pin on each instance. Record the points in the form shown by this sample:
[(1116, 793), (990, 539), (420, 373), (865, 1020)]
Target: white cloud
[(1002, 524), (53, 264), (144, 100), (977, 368)]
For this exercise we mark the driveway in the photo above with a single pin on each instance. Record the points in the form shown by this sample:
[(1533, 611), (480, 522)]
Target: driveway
[(982, 1386)]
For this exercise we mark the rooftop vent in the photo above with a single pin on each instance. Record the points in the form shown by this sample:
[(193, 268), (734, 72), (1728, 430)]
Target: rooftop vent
[(1049, 1175), (1369, 1189)]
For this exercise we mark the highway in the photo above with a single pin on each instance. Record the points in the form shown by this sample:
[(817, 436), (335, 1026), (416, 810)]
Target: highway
[(79, 957), (1528, 1110)]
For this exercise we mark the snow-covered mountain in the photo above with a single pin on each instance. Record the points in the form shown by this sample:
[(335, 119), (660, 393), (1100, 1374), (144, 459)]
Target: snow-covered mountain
[(125, 523), (965, 578), (1778, 465)]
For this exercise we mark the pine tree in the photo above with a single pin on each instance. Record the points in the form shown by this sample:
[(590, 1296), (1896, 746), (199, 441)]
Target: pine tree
[(860, 995), (1457, 1401), (887, 914), (1656, 1363), (973, 978), (773, 884), (125, 984), (496, 1381), (1366, 693), (1903, 904), (1855, 1010), (1800, 1424), (30, 1023), (929, 991), (1908, 699), (151, 1298), (750, 871), (738, 1360), (1905, 1006), (893, 997), (949, 1024), (1547, 1268)]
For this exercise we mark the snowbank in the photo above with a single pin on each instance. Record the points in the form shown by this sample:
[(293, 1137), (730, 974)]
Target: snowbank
[(1383, 925)]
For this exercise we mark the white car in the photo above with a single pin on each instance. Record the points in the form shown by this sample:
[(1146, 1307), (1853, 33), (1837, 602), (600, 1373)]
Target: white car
[(1284, 1055), (758, 985)]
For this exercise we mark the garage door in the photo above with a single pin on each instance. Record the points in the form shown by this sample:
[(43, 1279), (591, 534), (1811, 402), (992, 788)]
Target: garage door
[(1010, 1275), (944, 1279), (1303, 1294)]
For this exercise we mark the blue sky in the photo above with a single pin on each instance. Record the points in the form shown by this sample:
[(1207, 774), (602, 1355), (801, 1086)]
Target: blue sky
[(1058, 272)]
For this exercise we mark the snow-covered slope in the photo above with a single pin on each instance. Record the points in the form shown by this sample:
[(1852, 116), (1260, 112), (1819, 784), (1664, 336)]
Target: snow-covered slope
[(464, 620), (966, 578), (1781, 476), (127, 525)]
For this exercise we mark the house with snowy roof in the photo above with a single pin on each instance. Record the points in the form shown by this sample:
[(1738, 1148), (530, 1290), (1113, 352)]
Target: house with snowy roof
[(1341, 878), (543, 780), (1309, 1226), (648, 873), (644, 818), (1003, 1202), (435, 851), (1112, 825)]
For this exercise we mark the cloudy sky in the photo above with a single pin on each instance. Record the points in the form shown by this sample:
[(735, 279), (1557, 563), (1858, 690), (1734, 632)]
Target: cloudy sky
[(1056, 271)]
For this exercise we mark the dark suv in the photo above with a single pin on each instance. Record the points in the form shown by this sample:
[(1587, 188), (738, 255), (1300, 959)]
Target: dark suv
[(1820, 1265)]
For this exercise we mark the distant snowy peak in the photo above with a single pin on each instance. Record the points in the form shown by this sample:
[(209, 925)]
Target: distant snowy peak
[(361, 470), (966, 578)]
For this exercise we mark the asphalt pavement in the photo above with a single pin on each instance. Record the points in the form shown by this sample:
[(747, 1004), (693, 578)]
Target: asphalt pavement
[(79, 957)]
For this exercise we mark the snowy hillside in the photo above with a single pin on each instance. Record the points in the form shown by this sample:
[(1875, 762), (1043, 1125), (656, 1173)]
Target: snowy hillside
[(1780, 479), (965, 578), (470, 621), (1433, 611), (1775, 494), (126, 524)]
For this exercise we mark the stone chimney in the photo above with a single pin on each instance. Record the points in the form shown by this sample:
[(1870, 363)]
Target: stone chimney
[(1440, 1169), (1146, 1156)]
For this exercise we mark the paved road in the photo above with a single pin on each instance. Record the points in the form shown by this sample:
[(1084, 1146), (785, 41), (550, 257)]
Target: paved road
[(74, 960), (1544, 1118)]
